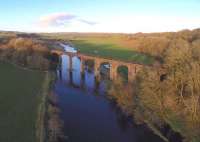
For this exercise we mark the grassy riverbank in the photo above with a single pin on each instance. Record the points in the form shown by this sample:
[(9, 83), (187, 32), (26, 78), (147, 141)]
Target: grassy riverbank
[(41, 125), (49, 126), (19, 102)]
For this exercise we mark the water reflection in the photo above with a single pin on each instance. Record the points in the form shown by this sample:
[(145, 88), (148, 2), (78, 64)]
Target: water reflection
[(76, 74), (80, 78), (64, 70), (89, 80)]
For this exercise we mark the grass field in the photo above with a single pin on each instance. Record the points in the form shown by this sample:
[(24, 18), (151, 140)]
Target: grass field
[(18, 103), (116, 46), (111, 50)]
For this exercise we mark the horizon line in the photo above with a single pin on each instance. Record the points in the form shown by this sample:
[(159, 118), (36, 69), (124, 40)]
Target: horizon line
[(27, 32)]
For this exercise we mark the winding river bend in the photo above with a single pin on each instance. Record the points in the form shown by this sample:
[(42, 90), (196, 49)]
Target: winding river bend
[(88, 116)]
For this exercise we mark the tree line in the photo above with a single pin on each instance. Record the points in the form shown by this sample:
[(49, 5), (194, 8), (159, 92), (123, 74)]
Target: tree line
[(27, 52), (166, 96)]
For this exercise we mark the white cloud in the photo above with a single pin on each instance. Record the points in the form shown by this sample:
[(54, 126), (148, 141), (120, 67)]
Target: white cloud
[(88, 22), (61, 20), (56, 19)]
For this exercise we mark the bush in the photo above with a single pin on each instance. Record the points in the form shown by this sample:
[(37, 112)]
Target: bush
[(29, 53)]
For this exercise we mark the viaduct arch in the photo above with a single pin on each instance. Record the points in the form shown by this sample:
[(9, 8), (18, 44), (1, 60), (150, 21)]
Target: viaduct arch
[(133, 68)]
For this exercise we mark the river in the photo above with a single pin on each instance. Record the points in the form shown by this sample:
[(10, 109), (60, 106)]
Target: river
[(88, 116)]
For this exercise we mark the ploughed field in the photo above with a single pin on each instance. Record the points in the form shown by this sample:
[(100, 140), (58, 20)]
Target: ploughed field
[(19, 100)]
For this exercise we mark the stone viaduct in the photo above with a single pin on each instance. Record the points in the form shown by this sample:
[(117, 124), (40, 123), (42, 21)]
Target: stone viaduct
[(133, 68)]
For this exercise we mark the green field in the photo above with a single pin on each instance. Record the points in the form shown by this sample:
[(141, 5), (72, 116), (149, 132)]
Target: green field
[(111, 50), (19, 102), (115, 46)]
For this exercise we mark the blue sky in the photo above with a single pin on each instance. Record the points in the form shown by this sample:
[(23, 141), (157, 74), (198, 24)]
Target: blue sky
[(127, 16)]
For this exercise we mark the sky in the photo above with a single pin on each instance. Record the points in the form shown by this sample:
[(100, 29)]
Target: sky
[(117, 16)]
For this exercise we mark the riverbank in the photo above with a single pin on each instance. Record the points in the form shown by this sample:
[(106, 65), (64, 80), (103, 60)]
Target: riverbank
[(49, 124), (129, 104), (41, 130)]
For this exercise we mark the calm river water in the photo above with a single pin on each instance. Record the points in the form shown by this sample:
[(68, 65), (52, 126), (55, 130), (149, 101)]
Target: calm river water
[(88, 116)]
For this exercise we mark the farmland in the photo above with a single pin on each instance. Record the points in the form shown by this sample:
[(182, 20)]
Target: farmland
[(115, 46)]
